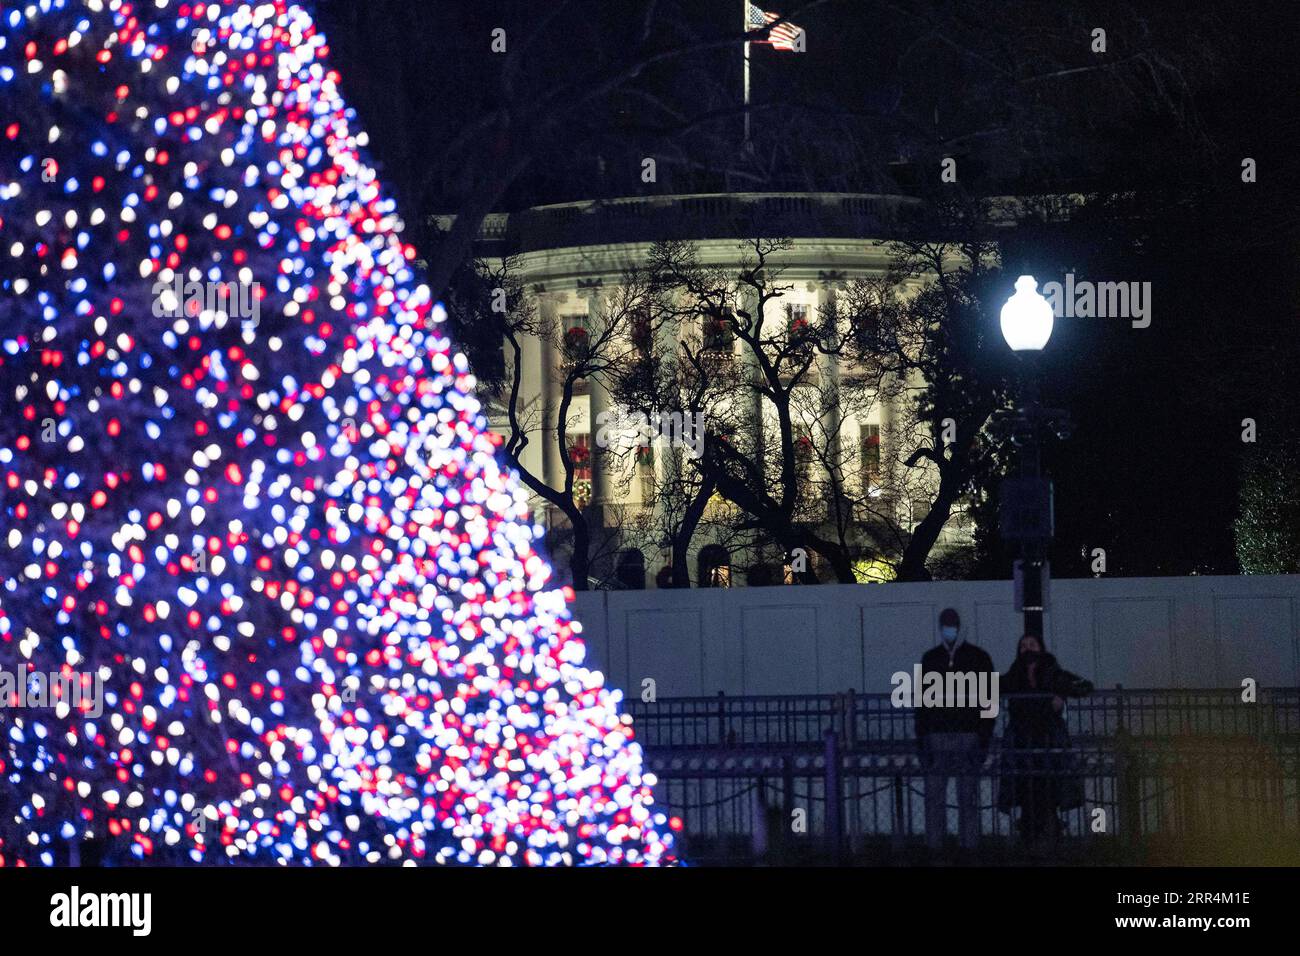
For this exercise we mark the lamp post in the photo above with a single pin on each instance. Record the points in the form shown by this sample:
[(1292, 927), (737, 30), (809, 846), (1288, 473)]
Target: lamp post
[(1026, 512)]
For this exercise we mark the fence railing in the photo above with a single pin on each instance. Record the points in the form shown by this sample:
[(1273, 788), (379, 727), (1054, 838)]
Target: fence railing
[(1174, 771)]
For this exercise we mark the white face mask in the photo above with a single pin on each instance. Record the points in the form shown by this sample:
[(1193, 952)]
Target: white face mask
[(949, 633)]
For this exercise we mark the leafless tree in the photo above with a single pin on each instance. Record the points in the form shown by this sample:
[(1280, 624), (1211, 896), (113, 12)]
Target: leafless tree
[(577, 357), (942, 345)]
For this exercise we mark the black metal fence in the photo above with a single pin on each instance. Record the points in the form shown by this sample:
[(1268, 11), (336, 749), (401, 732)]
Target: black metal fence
[(1168, 775)]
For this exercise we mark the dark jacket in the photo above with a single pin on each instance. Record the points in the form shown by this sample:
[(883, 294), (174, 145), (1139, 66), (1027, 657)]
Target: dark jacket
[(967, 658), (1034, 722), (1049, 780)]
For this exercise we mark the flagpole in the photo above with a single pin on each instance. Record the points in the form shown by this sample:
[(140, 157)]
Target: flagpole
[(744, 8)]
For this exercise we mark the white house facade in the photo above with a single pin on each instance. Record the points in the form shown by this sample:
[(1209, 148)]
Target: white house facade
[(571, 259)]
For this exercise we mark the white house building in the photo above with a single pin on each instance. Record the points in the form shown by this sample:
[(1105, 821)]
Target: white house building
[(571, 258)]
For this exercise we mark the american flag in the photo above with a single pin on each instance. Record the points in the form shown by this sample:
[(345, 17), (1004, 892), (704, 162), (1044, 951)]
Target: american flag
[(782, 36)]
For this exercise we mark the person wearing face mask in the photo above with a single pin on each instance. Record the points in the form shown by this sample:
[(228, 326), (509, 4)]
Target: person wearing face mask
[(953, 740), (1037, 772)]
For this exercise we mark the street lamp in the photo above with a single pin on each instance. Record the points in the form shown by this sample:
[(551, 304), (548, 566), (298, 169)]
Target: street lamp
[(1026, 318), (1026, 499)]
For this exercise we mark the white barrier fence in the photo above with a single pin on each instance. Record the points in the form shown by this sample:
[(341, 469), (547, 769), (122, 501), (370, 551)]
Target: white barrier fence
[(1137, 632)]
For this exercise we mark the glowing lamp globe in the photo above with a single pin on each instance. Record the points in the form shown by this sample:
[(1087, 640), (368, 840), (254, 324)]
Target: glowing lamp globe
[(1026, 317)]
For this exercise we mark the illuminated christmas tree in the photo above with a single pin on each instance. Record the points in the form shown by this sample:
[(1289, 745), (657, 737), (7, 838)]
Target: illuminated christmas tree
[(252, 508)]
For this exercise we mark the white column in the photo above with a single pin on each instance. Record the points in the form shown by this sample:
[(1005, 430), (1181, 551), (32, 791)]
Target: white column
[(828, 383), (666, 343), (532, 402), (598, 397), (747, 301), (548, 375)]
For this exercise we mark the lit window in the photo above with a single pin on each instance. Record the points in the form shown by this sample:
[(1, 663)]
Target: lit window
[(580, 456), (803, 454), (797, 324), (645, 469), (642, 332), (715, 567), (718, 332), (871, 459), (577, 339)]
